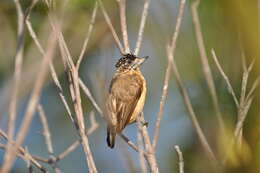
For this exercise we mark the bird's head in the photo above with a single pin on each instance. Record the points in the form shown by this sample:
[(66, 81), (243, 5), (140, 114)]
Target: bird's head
[(130, 62)]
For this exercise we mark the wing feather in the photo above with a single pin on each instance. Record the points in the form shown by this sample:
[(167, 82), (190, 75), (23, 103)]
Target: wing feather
[(125, 91)]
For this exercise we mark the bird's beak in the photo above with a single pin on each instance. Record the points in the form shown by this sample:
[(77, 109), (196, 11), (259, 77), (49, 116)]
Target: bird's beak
[(138, 62)]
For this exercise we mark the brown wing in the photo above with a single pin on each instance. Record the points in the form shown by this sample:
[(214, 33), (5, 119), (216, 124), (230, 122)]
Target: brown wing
[(125, 91)]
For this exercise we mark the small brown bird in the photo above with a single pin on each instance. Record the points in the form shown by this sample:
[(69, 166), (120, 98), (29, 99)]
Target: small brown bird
[(126, 96)]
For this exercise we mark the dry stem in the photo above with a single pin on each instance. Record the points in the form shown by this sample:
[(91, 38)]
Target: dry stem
[(141, 28), (205, 63), (180, 157), (168, 73)]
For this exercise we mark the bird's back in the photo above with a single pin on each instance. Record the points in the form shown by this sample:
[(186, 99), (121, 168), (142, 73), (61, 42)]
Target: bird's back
[(124, 93)]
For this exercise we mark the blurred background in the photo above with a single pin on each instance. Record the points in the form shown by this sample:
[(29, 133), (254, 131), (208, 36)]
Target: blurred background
[(230, 27)]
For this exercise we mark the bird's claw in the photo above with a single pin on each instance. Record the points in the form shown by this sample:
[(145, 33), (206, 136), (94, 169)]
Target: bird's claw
[(145, 123)]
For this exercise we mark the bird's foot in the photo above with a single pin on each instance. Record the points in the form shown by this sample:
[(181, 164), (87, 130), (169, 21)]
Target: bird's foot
[(145, 123)]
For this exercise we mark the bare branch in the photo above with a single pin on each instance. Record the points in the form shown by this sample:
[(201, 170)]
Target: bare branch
[(141, 146), (29, 165), (253, 88), (141, 28), (93, 122), (90, 28), (168, 73), (75, 95), (91, 98), (240, 122), (111, 27), (148, 146), (180, 157), (53, 72), (190, 109), (22, 152), (122, 8), (70, 149), (230, 88), (46, 130), (205, 63), (17, 76)]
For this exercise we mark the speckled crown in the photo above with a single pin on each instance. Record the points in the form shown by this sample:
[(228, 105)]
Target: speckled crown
[(125, 61)]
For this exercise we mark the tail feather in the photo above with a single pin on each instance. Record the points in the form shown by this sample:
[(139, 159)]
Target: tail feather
[(111, 136)]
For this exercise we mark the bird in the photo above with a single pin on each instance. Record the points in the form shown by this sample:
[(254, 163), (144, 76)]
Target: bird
[(126, 95)]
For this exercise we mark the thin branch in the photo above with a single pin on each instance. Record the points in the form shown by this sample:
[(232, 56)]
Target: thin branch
[(241, 110), (93, 122), (190, 109), (180, 157), (29, 165), (17, 77), (205, 63), (90, 97), (241, 120), (141, 28), (122, 9), (245, 103), (46, 130), (140, 143), (73, 146), (47, 136), (21, 153), (230, 88), (148, 146), (111, 27), (30, 110), (70, 149), (253, 88), (90, 28), (75, 95), (52, 69), (130, 143), (168, 73)]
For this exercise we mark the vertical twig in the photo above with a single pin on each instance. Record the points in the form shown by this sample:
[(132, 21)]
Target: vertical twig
[(122, 9), (46, 130), (190, 109), (141, 28), (229, 86), (47, 136), (111, 27), (168, 73), (73, 73), (140, 146), (205, 63), (149, 148), (90, 28), (180, 157), (253, 88), (17, 76)]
